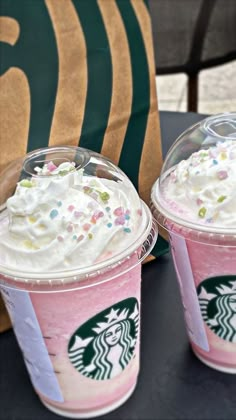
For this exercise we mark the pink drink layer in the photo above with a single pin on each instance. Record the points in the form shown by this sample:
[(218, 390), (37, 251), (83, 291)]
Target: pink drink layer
[(206, 267), (215, 260), (88, 314)]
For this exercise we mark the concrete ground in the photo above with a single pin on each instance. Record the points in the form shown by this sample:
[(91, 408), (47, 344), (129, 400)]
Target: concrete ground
[(217, 90)]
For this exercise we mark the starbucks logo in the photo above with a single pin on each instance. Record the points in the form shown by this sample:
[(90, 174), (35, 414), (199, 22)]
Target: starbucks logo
[(102, 347), (217, 299)]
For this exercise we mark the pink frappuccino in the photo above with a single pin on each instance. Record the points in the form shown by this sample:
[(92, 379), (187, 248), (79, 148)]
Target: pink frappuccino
[(195, 201), (73, 235)]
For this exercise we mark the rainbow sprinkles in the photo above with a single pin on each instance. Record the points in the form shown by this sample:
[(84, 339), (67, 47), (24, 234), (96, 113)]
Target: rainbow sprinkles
[(62, 213), (204, 185)]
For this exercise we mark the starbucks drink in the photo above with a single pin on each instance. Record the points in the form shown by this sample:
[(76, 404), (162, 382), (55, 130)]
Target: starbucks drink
[(195, 201), (73, 235)]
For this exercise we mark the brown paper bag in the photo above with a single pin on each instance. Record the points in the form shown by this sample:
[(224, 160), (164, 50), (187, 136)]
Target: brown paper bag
[(81, 73)]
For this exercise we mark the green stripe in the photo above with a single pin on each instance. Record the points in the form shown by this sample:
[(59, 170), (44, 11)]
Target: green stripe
[(98, 100), (134, 138), (36, 54)]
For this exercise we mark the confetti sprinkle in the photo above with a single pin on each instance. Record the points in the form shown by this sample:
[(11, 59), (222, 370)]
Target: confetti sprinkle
[(80, 238), (94, 219), (109, 225), (120, 220), (74, 237), (127, 230), (60, 238), (119, 211), (199, 201), (64, 172), (139, 211), (53, 213), (222, 175), (26, 183), (202, 212), (86, 226), (87, 190), (221, 198), (32, 219), (104, 196), (223, 156), (108, 209), (71, 208), (210, 187), (59, 203), (97, 215), (65, 168), (90, 236), (51, 167)]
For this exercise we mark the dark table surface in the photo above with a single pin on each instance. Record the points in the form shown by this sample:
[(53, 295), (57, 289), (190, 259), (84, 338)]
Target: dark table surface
[(173, 383)]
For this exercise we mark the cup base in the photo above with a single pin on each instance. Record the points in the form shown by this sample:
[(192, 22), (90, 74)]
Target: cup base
[(214, 366), (93, 413)]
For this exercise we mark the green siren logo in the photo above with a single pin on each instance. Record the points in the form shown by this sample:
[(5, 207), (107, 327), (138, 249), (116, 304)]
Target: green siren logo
[(102, 347), (217, 299)]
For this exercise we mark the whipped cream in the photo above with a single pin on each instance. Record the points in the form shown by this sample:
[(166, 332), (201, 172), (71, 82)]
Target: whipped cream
[(61, 219), (202, 189)]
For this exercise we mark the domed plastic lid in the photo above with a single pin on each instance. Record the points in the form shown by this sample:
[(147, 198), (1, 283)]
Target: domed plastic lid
[(197, 185), (69, 211)]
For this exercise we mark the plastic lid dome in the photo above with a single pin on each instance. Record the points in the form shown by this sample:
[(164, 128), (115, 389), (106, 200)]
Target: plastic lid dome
[(69, 211), (197, 185)]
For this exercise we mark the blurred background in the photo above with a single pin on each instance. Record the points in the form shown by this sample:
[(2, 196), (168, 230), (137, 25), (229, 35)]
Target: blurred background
[(195, 54), (217, 90)]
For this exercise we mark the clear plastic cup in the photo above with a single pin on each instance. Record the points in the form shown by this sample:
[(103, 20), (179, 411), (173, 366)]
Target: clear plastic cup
[(77, 323), (203, 247)]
